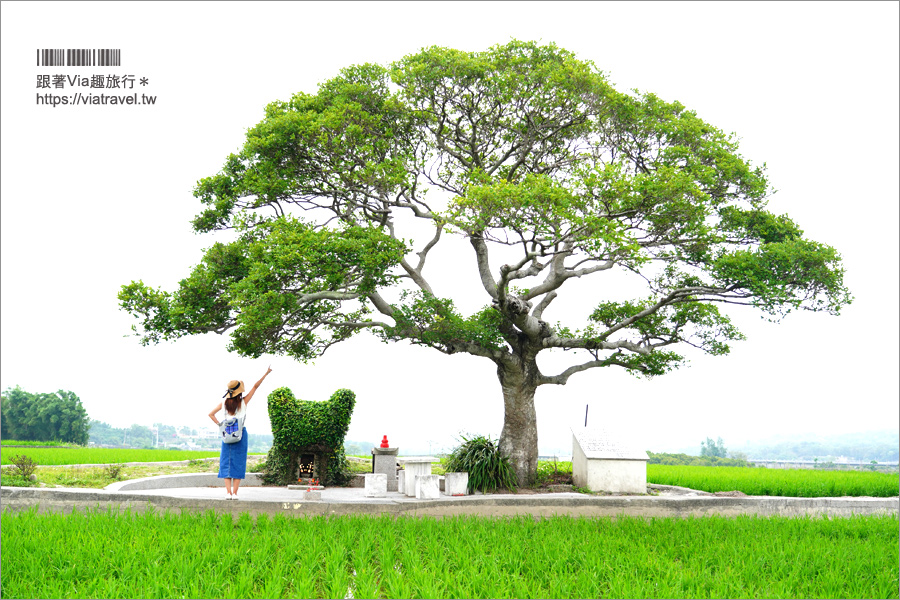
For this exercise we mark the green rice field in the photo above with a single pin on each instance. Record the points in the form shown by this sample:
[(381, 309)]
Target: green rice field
[(35, 443), (808, 483), (167, 555), (90, 456)]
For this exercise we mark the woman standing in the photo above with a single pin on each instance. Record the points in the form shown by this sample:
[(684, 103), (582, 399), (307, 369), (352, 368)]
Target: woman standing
[(233, 457)]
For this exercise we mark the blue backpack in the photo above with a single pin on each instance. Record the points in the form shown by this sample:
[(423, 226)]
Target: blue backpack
[(232, 429)]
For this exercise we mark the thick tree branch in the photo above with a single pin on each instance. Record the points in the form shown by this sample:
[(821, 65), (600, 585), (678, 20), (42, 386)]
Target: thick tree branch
[(538, 311), (415, 273), (555, 281), (437, 236), (593, 344), (471, 348), (484, 267), (355, 324), (563, 377), (380, 304), (326, 295), (508, 272), (416, 276)]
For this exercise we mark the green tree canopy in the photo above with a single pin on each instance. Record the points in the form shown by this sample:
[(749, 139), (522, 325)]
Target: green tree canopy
[(44, 417), (711, 448), (529, 154)]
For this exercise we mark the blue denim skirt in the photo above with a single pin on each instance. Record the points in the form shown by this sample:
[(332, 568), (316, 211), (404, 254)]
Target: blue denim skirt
[(233, 459)]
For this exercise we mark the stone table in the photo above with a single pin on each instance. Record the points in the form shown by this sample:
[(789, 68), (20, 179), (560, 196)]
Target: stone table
[(415, 465)]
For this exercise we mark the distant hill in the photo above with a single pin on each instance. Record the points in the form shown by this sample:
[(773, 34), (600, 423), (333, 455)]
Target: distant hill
[(883, 446), (351, 447)]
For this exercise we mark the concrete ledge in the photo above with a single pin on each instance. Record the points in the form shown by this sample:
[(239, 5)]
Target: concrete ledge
[(611, 506), (676, 489), (542, 505), (161, 482)]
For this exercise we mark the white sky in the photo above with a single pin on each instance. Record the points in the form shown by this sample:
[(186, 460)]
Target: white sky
[(94, 197)]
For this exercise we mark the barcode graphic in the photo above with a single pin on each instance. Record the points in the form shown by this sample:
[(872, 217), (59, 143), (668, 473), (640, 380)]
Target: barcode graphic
[(80, 57)]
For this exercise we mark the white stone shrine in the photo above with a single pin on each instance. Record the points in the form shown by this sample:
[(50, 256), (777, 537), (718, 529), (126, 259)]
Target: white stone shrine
[(603, 462)]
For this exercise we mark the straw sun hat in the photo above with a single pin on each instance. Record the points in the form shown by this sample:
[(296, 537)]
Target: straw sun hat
[(235, 387)]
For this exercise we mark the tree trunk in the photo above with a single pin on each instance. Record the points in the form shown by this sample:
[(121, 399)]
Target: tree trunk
[(519, 439)]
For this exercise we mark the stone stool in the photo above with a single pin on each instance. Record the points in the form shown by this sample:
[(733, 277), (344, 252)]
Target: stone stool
[(427, 487), (376, 485), (456, 484)]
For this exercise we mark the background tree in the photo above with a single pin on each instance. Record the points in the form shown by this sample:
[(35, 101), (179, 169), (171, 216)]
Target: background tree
[(711, 448), (104, 434), (139, 436), (15, 402), (550, 175), (44, 417), (167, 435)]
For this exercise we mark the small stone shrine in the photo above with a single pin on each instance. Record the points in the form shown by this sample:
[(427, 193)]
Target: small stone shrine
[(384, 460), (603, 462)]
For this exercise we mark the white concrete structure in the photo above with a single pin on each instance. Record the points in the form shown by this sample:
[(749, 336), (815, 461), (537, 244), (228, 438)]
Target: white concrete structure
[(427, 487), (414, 466), (455, 484), (603, 462), (376, 485)]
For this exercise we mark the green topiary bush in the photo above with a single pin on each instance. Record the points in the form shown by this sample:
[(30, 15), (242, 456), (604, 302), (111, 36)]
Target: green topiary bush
[(302, 426), (481, 459)]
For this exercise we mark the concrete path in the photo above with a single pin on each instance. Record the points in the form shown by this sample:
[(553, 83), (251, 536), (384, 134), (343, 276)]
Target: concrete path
[(342, 501)]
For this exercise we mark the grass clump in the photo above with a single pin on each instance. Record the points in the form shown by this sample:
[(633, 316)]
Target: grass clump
[(480, 457)]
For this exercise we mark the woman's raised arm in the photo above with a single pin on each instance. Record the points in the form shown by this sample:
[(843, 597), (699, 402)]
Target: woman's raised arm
[(256, 386)]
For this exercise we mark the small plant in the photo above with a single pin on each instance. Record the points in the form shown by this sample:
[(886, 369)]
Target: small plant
[(550, 472), (481, 459), (23, 466), (114, 472)]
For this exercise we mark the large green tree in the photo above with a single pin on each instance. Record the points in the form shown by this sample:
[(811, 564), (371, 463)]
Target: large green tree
[(59, 416), (549, 173)]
